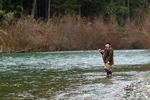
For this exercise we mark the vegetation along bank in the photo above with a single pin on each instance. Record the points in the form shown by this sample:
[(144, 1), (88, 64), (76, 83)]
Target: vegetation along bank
[(51, 25)]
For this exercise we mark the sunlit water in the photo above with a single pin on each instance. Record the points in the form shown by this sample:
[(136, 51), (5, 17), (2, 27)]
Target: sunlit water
[(72, 75)]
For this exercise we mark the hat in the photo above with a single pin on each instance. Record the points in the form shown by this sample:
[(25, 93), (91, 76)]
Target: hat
[(107, 43)]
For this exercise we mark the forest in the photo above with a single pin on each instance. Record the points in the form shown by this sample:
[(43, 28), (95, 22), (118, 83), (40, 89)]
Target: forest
[(52, 25)]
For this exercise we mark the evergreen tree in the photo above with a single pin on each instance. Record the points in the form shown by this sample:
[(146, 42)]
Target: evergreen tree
[(121, 9)]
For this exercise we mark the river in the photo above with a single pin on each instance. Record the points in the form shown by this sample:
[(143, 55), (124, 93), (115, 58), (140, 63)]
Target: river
[(69, 75)]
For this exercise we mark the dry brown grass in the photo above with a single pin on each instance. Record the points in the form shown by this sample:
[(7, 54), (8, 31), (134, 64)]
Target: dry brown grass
[(70, 33), (146, 28)]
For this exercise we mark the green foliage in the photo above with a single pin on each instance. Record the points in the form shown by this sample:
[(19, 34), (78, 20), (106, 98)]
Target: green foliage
[(1, 14), (7, 18), (8, 6), (114, 8), (91, 8), (18, 11), (88, 8), (65, 6), (135, 5), (19, 8), (123, 10), (1, 6), (70, 11)]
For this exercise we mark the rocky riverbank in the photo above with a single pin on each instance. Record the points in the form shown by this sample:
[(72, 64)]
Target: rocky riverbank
[(139, 90)]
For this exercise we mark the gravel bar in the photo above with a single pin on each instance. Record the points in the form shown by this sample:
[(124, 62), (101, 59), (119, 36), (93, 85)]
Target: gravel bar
[(139, 90)]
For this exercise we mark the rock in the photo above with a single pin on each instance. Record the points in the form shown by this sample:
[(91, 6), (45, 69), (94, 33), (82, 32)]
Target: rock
[(146, 96), (139, 90), (128, 88), (148, 90), (88, 97), (148, 86)]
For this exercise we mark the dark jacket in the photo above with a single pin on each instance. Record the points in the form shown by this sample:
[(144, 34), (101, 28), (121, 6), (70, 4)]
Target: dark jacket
[(108, 55)]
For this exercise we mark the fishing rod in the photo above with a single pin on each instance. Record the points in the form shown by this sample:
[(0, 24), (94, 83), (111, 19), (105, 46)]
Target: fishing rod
[(99, 50)]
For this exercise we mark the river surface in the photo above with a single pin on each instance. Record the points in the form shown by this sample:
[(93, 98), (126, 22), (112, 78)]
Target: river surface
[(70, 75)]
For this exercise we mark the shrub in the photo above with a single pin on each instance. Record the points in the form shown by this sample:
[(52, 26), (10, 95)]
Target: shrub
[(18, 11), (1, 14), (136, 45), (68, 33), (7, 18)]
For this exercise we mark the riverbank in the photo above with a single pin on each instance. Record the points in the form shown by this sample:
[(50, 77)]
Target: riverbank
[(139, 90), (69, 33)]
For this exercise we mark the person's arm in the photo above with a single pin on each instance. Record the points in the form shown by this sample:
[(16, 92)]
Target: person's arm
[(100, 51), (110, 55)]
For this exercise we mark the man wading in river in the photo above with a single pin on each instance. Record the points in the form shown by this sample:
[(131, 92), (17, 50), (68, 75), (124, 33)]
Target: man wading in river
[(107, 58)]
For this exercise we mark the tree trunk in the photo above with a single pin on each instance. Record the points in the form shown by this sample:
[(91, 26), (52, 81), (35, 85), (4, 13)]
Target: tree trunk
[(80, 8), (146, 1), (39, 8), (33, 7), (49, 8), (21, 2), (46, 8), (1, 6), (123, 4), (129, 10), (36, 12)]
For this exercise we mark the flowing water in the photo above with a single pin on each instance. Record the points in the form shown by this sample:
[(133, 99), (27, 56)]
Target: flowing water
[(72, 75)]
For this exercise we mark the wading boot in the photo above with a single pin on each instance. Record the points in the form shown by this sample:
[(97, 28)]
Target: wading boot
[(107, 74)]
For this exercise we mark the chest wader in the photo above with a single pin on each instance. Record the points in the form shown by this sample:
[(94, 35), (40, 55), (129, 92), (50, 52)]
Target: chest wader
[(107, 68), (108, 71)]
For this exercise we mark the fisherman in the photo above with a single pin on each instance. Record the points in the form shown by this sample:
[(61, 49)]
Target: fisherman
[(107, 58)]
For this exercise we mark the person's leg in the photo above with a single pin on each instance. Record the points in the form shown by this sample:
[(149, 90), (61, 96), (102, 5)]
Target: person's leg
[(107, 68), (110, 71), (107, 72), (110, 74)]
